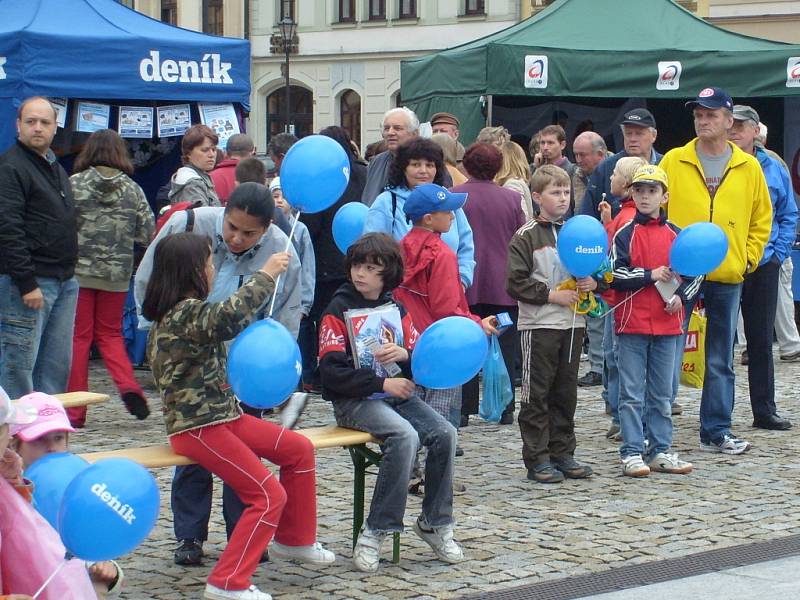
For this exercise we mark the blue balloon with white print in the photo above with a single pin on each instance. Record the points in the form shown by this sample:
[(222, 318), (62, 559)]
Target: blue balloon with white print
[(108, 509), (582, 245), (264, 364)]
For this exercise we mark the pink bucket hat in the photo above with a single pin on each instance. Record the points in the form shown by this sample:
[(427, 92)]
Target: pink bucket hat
[(50, 416)]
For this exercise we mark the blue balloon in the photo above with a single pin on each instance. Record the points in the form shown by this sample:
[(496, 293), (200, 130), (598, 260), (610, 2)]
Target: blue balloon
[(449, 353), (699, 249), (108, 509), (264, 364), (348, 224), (314, 173), (50, 476), (582, 245)]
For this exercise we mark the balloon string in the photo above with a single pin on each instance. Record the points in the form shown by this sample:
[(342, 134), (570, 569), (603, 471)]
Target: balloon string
[(572, 333), (49, 579), (278, 279)]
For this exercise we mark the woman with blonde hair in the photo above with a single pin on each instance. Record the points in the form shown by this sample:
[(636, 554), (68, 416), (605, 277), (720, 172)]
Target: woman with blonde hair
[(515, 174), (450, 149)]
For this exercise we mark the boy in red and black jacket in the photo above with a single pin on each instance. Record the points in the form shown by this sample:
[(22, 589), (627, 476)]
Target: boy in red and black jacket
[(401, 420), (648, 325)]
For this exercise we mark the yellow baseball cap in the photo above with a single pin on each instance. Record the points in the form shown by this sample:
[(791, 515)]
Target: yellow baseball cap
[(651, 174)]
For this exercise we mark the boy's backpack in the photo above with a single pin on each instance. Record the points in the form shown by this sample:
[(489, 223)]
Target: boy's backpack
[(170, 210)]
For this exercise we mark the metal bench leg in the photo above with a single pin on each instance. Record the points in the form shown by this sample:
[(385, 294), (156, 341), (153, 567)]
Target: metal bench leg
[(359, 473), (362, 458)]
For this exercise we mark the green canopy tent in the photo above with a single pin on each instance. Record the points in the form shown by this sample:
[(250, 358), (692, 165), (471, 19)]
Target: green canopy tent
[(590, 50)]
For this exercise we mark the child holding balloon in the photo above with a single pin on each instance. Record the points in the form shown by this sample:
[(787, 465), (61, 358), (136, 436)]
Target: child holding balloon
[(548, 329), (243, 237), (648, 327), (30, 549), (401, 420), (431, 288), (47, 434), (187, 354)]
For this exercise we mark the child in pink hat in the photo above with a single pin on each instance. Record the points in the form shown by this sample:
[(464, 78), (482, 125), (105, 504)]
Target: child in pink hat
[(46, 431)]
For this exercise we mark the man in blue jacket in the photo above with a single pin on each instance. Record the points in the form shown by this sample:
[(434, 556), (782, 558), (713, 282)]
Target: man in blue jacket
[(760, 289)]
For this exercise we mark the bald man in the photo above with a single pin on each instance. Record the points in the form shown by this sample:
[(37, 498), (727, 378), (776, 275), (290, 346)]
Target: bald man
[(38, 253), (590, 150)]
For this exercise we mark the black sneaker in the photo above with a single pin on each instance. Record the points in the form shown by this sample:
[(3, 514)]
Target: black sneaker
[(189, 553), (591, 379), (545, 473), (136, 405), (571, 468), (459, 451), (507, 419)]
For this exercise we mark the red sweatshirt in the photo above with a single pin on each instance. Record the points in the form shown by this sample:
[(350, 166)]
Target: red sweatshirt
[(431, 287)]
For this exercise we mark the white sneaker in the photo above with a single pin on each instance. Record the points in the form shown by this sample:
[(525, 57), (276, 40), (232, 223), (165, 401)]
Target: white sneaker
[(252, 593), (440, 539), (367, 553), (633, 466), (293, 408), (314, 554), (668, 462), (728, 444)]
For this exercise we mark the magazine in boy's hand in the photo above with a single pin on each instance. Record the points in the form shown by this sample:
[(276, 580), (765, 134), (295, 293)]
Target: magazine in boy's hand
[(384, 325)]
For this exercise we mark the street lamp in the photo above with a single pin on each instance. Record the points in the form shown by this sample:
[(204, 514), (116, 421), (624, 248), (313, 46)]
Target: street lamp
[(288, 28)]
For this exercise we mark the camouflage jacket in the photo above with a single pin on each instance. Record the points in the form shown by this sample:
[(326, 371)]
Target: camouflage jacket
[(186, 349), (113, 215)]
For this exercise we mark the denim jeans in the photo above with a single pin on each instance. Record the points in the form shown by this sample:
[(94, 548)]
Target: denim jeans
[(36, 345), (611, 371), (646, 365), (402, 425), (595, 332), (721, 301)]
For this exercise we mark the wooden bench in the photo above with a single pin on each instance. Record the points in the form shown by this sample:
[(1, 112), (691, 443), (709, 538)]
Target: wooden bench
[(74, 399), (155, 457)]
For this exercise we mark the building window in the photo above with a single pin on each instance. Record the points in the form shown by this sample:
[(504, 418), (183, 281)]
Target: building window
[(169, 11), (212, 17), (377, 10), (407, 9), (350, 115), (474, 7), (347, 11), (287, 10), (302, 114)]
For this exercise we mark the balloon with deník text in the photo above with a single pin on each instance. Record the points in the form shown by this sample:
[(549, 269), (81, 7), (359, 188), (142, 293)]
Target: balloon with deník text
[(264, 364), (348, 224), (314, 173), (582, 245), (699, 249), (449, 353), (50, 476), (108, 509)]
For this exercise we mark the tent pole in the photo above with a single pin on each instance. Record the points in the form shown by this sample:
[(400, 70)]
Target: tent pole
[(489, 110)]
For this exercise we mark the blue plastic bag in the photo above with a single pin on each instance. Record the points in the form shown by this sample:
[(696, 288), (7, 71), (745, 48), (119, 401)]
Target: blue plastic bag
[(497, 390)]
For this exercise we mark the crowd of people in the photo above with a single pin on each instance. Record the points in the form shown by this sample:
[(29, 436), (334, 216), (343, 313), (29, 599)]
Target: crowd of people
[(450, 231)]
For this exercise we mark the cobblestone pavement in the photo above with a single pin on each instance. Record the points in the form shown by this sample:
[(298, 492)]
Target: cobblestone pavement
[(514, 531)]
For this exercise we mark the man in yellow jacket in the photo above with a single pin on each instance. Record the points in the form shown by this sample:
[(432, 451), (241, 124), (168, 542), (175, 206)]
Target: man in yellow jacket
[(712, 180)]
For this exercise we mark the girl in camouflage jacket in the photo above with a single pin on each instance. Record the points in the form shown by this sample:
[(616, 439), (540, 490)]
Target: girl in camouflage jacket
[(186, 350)]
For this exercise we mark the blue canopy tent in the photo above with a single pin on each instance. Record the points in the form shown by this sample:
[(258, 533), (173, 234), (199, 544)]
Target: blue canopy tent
[(101, 50)]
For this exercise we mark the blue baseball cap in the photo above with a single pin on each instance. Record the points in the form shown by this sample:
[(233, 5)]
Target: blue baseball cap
[(712, 98), (429, 198)]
